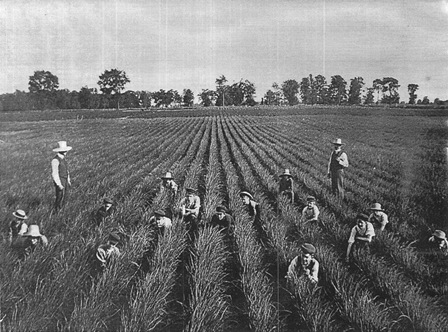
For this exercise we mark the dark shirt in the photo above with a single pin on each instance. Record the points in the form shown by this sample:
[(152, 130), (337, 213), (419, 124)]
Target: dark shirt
[(225, 223), (285, 184), (102, 214)]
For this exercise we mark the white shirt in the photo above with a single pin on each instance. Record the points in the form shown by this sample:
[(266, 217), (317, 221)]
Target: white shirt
[(55, 171)]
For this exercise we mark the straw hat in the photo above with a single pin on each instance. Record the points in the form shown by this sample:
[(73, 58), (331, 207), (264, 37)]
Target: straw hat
[(62, 146), (311, 199), (439, 234), (286, 173), (246, 193), (308, 248), (20, 214), (33, 231), (167, 176), (337, 141), (376, 207)]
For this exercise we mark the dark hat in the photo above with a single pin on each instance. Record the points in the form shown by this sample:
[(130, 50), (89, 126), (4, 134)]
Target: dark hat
[(246, 193), (221, 209), (308, 248), (362, 216), (159, 213), (114, 238), (439, 234), (311, 199), (190, 190), (108, 201)]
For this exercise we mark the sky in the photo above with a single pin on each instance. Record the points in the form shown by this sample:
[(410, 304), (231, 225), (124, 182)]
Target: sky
[(188, 44)]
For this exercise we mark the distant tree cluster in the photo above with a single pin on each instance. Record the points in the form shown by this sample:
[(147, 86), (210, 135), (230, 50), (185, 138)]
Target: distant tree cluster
[(44, 93)]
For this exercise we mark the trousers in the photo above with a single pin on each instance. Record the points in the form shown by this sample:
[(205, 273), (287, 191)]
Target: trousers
[(337, 183), (61, 195)]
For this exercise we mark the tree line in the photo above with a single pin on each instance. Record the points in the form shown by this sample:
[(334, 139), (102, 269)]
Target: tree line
[(44, 93)]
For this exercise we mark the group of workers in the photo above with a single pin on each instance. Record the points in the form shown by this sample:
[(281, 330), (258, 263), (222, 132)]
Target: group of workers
[(25, 238)]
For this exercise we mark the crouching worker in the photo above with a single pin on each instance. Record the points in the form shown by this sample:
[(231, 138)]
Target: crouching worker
[(160, 221), (29, 241), (222, 220), (286, 185), (17, 227), (378, 217), (439, 240), (106, 251), (310, 212), (304, 266), (360, 236), (189, 210), (104, 212)]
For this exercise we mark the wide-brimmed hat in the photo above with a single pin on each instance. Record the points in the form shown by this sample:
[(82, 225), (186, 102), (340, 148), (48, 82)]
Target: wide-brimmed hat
[(221, 209), (108, 200), (20, 214), (337, 141), (308, 248), (167, 176), (376, 207), (159, 213), (246, 193), (286, 173), (439, 234), (362, 216), (62, 146), (33, 231), (311, 199), (114, 238), (190, 190)]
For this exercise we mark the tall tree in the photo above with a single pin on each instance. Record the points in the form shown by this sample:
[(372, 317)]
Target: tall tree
[(354, 94), (338, 90), (207, 97), (320, 89), (223, 98), (290, 88), (86, 97), (188, 97), (369, 96), (112, 82), (42, 86), (412, 95), (305, 90), (390, 91), (378, 87)]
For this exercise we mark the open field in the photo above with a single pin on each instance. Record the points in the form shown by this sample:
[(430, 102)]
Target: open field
[(397, 157)]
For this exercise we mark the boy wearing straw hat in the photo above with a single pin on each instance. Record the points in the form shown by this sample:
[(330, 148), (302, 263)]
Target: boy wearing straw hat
[(378, 217), (310, 212), (60, 174), (286, 185), (17, 227), (360, 236), (439, 239), (338, 161), (168, 184), (28, 242), (304, 265), (252, 207)]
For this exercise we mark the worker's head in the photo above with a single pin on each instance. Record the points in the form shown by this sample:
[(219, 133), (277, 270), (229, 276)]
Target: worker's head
[(246, 197), (308, 251), (439, 238), (337, 143), (113, 239), (221, 212), (376, 209), (108, 202), (159, 214), (361, 220), (310, 201), (33, 234), (189, 192)]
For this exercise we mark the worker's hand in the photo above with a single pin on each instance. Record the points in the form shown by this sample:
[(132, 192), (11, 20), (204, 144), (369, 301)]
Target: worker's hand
[(347, 259), (69, 183), (61, 187)]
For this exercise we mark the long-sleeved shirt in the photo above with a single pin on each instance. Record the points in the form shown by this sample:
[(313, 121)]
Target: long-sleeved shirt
[(55, 164), (338, 160), (310, 213), (105, 251), (297, 269), (356, 231)]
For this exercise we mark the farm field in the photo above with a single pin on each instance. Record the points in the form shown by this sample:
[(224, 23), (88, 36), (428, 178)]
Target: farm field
[(397, 157)]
